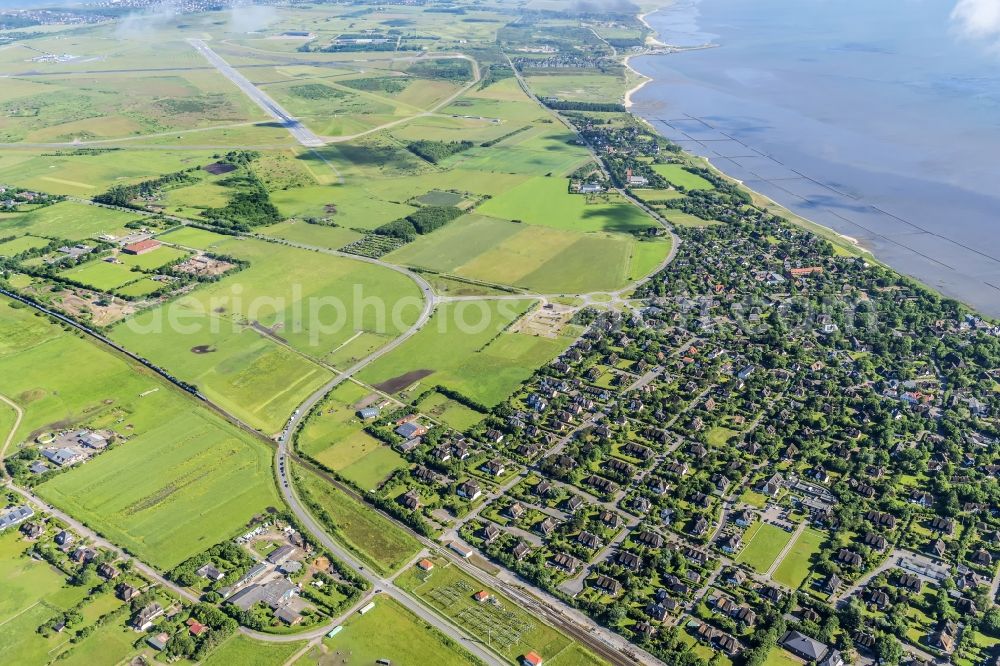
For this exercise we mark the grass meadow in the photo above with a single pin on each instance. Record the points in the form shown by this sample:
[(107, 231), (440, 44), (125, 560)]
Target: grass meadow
[(486, 365), (182, 478), (388, 631), (377, 540)]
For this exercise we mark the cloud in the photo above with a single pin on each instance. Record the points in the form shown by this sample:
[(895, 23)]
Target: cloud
[(143, 24), (978, 20), (251, 18)]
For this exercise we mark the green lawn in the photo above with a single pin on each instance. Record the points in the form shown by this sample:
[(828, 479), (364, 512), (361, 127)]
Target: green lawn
[(388, 631), (453, 413), (794, 569), (33, 592), (101, 275), (763, 546), (374, 538)]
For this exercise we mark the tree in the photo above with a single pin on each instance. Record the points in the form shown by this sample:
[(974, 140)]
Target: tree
[(889, 649)]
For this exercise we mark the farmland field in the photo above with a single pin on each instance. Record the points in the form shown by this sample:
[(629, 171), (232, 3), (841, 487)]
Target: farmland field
[(21, 244), (763, 546), (465, 347), (187, 483), (547, 202), (183, 478), (68, 220), (390, 632), (546, 260)]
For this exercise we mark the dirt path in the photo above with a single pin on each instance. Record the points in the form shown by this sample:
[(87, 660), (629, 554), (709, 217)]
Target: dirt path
[(784, 551), (18, 415)]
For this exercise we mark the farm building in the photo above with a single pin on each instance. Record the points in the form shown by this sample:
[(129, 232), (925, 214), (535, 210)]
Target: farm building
[(142, 247)]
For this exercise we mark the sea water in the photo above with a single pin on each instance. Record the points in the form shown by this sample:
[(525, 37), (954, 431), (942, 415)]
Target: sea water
[(877, 118)]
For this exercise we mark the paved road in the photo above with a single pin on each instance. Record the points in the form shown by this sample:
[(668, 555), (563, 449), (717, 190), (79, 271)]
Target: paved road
[(301, 133)]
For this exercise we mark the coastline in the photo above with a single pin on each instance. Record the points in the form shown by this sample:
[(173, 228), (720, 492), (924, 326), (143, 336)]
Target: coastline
[(771, 204)]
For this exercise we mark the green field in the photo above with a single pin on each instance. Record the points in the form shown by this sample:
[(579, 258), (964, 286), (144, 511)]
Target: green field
[(764, 543), (680, 177), (361, 459), (33, 592), (248, 652), (547, 202), (70, 220), (101, 275), (159, 257), (183, 478), (391, 632), (453, 413), (21, 244), (376, 539), (465, 347), (244, 341), (544, 260), (794, 569), (511, 636)]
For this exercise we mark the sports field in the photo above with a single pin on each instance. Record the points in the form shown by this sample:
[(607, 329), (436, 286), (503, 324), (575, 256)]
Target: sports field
[(389, 632), (465, 347), (794, 569), (764, 543)]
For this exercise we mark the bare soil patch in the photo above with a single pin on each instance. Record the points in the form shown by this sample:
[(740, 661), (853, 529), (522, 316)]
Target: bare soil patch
[(402, 381)]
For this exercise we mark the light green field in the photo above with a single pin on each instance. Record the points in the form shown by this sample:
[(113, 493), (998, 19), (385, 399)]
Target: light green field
[(794, 569), (578, 87), (183, 478), (245, 372), (680, 177), (543, 639), (248, 324), (312, 234), (85, 173), (174, 490), (377, 540), (455, 414), (248, 652), (159, 257), (69, 220), (361, 459), (333, 421), (547, 202), (101, 275), (541, 259), (111, 643), (14, 247), (141, 288), (778, 657), (466, 349), (763, 546), (391, 632)]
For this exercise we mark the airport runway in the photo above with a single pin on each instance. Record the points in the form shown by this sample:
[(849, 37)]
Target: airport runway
[(301, 133)]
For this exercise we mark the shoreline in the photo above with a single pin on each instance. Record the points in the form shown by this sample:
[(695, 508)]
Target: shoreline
[(787, 213)]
